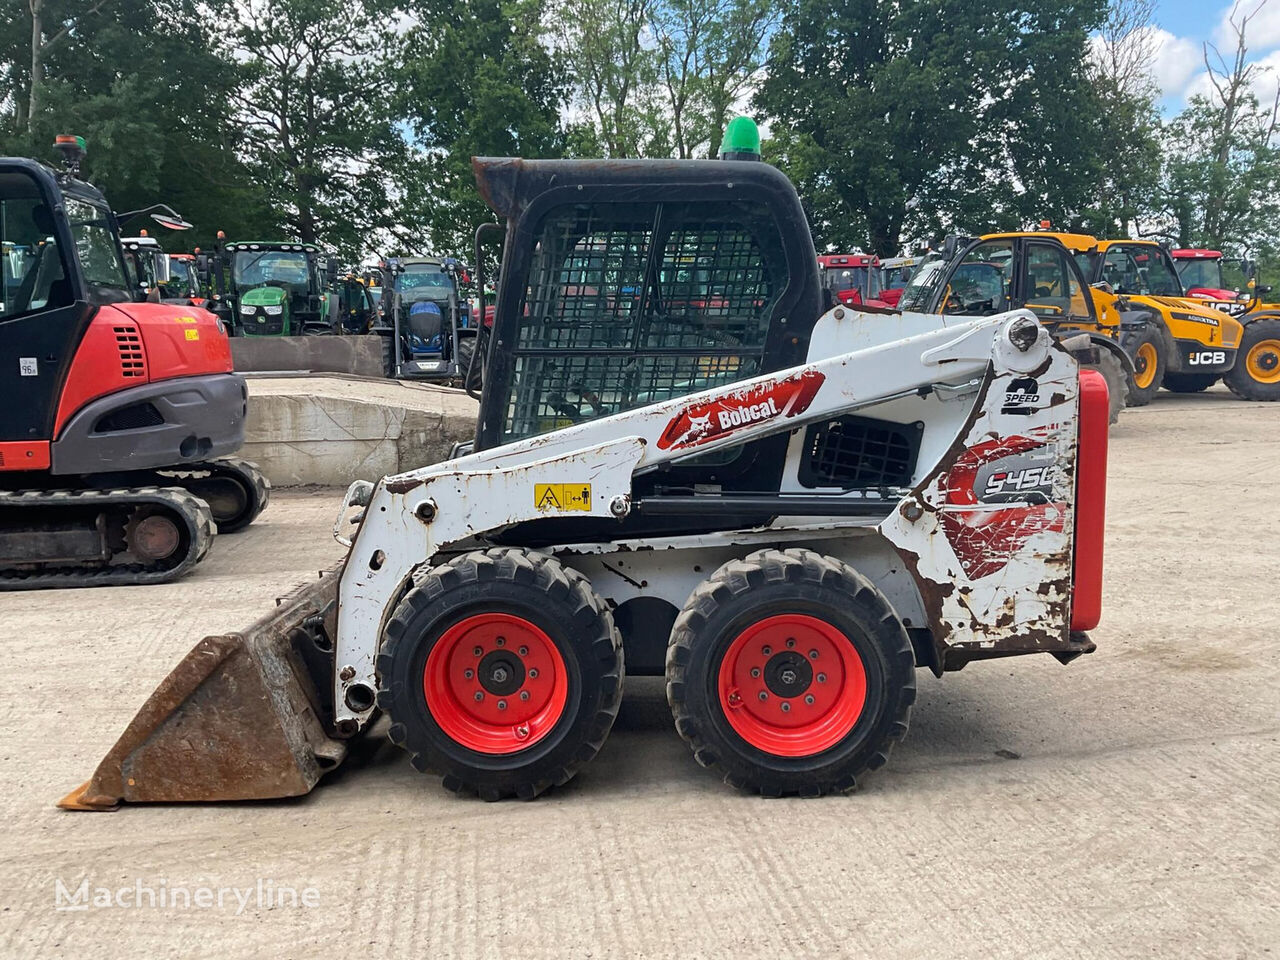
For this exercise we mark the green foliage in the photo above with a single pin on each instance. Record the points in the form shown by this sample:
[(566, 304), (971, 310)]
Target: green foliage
[(474, 80), (925, 115)]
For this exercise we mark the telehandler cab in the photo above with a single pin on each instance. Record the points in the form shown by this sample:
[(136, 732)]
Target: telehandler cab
[(783, 505)]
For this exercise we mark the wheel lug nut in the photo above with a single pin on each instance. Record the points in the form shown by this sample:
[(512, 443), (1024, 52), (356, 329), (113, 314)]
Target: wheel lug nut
[(524, 651), (786, 707), (822, 678), (763, 695), (479, 696), (502, 704), (755, 671), (791, 642), (533, 673), (808, 698), (813, 654), (501, 641), (468, 673), (524, 694), (476, 651), (767, 650)]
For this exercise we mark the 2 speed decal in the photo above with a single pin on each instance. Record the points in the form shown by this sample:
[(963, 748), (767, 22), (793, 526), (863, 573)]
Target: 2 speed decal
[(1022, 398)]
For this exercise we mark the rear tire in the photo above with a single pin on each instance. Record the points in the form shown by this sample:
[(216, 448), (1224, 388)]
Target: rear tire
[(1117, 378), (1256, 375), (842, 676), (1189, 382), (466, 350), (539, 630), (1150, 358)]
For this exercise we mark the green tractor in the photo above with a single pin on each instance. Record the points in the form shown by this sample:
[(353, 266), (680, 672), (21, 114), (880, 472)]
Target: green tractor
[(267, 289)]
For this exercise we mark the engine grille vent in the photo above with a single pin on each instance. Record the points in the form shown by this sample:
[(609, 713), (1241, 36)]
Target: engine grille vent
[(133, 363), (133, 417), (854, 452)]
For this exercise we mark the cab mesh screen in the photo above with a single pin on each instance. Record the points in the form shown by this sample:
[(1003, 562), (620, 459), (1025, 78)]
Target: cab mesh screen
[(629, 304)]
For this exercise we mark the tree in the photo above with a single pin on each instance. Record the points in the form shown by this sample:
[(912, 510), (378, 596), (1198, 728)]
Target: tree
[(1124, 94), (145, 83), (475, 80), (614, 73), (928, 115), (710, 53), (315, 108), (1222, 165)]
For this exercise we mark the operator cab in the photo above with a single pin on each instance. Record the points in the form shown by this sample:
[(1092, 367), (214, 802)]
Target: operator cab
[(990, 275), (1133, 269)]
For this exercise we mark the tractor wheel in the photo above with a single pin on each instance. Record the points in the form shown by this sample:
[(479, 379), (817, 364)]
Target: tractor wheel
[(501, 671), (1113, 372), (789, 673), (1189, 382), (1256, 375), (466, 350), (1149, 361)]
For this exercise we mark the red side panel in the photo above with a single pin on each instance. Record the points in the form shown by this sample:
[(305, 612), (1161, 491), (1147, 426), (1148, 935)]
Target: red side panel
[(24, 455), (134, 343), (111, 357), (1091, 501), (181, 341)]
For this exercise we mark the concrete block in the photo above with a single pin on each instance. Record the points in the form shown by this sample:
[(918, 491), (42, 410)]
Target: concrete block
[(359, 356), (332, 430)]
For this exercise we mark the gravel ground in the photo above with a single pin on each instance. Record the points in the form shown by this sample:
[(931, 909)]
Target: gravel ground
[(1126, 805)]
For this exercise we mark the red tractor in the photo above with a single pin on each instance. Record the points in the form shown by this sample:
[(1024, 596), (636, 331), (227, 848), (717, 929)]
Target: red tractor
[(118, 414), (853, 279)]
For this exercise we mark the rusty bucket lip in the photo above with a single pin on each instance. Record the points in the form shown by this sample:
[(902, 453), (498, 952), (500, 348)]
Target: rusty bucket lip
[(236, 719)]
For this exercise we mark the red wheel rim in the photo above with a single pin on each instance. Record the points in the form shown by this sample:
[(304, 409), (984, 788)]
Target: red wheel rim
[(792, 685), (495, 683)]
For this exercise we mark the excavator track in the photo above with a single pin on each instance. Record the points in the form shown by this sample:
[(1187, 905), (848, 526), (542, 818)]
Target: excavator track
[(99, 538), (236, 490)]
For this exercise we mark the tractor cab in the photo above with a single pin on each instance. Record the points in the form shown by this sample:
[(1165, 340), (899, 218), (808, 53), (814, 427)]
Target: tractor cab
[(854, 279), (895, 274), (432, 331), (184, 284), (277, 289)]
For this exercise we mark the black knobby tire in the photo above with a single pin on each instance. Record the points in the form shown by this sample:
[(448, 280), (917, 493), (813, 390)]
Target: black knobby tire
[(466, 350), (1149, 352), (1259, 355), (772, 583), (1117, 378), (542, 591), (1189, 382)]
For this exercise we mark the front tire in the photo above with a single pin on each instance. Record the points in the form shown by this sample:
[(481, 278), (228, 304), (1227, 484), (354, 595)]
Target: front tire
[(1256, 375), (1150, 357), (789, 673), (502, 671), (1113, 372)]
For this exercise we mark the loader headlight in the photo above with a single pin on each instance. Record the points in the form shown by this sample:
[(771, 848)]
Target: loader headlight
[(273, 311), (247, 310)]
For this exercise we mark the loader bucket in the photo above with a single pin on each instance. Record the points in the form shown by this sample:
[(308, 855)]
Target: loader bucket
[(240, 718)]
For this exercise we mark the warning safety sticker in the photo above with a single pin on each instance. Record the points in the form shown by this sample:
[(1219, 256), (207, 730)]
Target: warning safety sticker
[(562, 496)]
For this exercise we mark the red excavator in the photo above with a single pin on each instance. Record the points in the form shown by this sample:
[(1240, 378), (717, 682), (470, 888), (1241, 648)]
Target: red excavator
[(118, 414)]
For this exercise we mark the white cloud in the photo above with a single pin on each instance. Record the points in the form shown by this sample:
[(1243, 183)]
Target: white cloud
[(1262, 32), (1174, 60)]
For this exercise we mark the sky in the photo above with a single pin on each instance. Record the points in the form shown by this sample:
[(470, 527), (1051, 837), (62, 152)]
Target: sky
[(1182, 27)]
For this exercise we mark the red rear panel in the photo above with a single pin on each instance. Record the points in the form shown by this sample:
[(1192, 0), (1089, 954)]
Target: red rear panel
[(130, 344), (1091, 501)]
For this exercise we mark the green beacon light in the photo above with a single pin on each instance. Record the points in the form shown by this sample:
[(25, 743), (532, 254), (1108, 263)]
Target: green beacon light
[(741, 140)]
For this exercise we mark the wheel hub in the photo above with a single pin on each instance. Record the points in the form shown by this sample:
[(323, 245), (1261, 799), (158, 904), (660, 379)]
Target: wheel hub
[(792, 685), (495, 683), (154, 537), (788, 674)]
